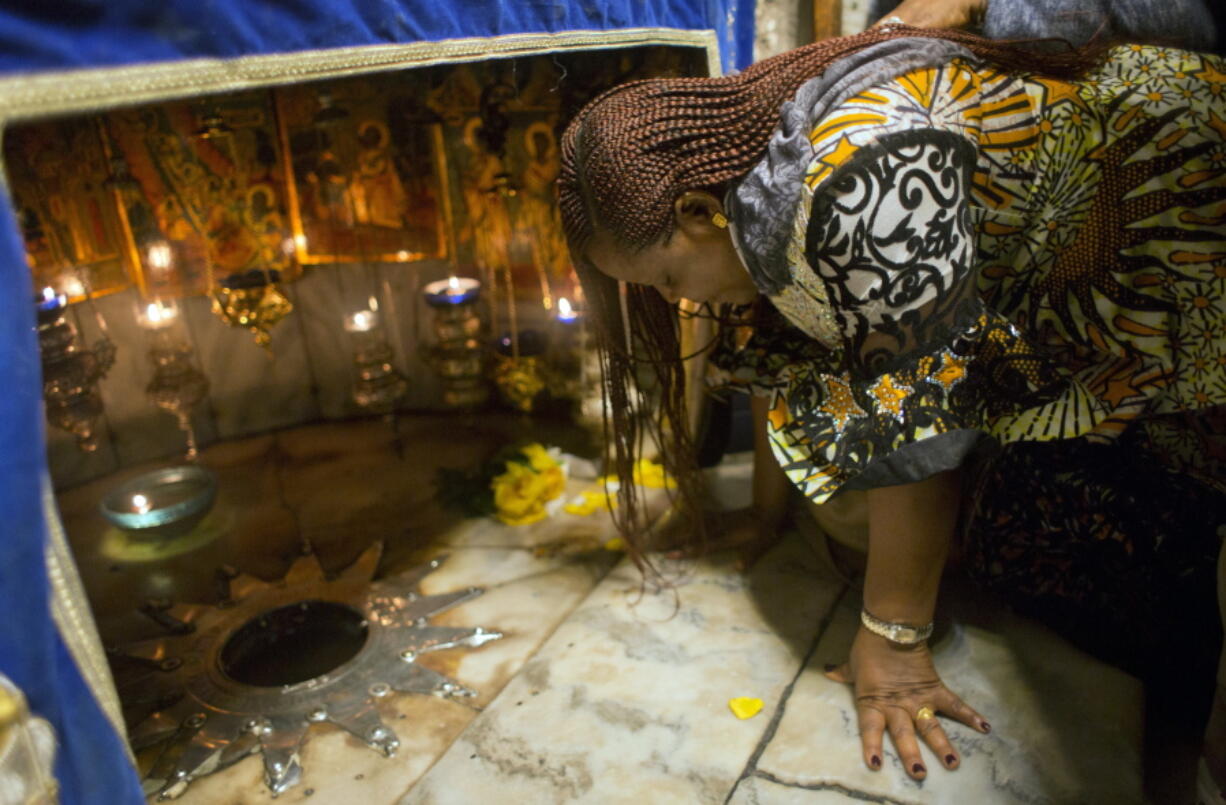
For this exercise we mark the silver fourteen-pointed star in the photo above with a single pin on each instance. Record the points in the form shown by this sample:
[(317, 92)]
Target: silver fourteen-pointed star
[(229, 679)]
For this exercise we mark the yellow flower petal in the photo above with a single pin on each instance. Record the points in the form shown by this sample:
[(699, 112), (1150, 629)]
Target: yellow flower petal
[(539, 457), (652, 475), (744, 707), (615, 544)]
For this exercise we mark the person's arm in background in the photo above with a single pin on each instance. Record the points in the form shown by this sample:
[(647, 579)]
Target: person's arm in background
[(1183, 23)]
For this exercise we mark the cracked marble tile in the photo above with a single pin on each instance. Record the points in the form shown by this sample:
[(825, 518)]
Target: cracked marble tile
[(1065, 727), (628, 700), (759, 790)]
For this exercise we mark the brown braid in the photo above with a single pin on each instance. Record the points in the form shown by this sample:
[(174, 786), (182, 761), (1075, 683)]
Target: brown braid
[(631, 152)]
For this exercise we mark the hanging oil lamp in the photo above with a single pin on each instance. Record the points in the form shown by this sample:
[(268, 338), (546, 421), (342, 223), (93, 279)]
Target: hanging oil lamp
[(177, 385), (252, 300), (457, 354), (379, 385), (71, 371)]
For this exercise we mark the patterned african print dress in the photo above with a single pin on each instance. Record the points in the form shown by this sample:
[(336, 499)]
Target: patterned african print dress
[(966, 258)]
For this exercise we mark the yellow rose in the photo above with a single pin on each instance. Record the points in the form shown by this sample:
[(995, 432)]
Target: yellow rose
[(519, 495), (538, 457), (555, 482)]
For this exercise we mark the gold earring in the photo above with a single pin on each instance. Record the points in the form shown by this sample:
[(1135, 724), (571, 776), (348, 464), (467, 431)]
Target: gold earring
[(719, 220)]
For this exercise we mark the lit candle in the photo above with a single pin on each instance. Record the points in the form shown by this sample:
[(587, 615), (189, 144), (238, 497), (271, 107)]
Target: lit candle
[(361, 322), (51, 300), (158, 315), (74, 288), (140, 504), (159, 256), (452, 291), (566, 314)]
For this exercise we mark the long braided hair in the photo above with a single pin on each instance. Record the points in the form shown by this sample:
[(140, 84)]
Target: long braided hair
[(626, 157)]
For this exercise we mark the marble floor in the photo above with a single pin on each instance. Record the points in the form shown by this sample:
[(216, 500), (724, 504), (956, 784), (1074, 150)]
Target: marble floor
[(603, 690)]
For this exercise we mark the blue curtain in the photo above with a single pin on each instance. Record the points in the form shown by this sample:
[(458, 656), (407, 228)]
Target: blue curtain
[(58, 34), (66, 34)]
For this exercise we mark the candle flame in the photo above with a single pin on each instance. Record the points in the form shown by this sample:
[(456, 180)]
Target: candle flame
[(159, 256), (141, 504), (48, 293), (564, 307), (361, 322), (453, 282), (158, 314)]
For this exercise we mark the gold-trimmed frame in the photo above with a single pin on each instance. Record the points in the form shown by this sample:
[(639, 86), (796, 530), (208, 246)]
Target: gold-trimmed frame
[(35, 96), (38, 95)]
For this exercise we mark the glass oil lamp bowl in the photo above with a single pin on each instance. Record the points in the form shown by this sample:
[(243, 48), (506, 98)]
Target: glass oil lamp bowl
[(162, 504)]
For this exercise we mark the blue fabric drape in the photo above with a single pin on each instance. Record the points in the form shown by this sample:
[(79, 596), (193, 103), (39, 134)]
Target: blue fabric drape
[(89, 764), (70, 34), (60, 34)]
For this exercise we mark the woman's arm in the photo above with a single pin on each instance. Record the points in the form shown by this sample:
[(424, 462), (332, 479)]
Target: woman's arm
[(910, 528), (909, 531), (770, 485), (754, 530), (1184, 23)]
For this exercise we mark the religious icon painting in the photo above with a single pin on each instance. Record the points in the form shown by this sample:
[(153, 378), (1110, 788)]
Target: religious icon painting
[(366, 157), (203, 196), (61, 186)]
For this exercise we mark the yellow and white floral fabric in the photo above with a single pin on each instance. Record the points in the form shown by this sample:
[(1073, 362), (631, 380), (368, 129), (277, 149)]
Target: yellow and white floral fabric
[(986, 254)]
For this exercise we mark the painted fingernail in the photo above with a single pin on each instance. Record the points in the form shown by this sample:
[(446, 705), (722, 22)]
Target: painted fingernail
[(875, 762), (950, 760), (917, 768), (985, 726)]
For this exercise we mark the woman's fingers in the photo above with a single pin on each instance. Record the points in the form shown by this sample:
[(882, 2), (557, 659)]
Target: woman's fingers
[(951, 705), (936, 13), (872, 728), (930, 730), (902, 731)]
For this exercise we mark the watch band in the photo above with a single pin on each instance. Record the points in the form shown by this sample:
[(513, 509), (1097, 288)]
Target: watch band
[(902, 633)]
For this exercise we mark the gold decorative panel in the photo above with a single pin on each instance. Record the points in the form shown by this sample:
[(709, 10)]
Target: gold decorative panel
[(65, 206), (367, 167), (205, 195)]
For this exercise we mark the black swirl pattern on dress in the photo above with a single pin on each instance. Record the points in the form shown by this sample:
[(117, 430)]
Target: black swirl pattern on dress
[(891, 235)]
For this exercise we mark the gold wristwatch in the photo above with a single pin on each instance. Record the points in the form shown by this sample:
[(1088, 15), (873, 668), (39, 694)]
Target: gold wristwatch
[(902, 633)]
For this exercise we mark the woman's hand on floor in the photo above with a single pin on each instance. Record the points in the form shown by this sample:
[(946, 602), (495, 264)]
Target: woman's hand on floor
[(938, 13), (897, 690)]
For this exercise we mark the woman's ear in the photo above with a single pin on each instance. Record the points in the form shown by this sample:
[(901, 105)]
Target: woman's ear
[(696, 213)]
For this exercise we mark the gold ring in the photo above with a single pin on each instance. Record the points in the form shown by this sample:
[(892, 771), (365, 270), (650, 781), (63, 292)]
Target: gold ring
[(924, 713)]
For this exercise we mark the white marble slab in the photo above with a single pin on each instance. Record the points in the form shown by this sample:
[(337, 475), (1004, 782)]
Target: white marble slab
[(628, 700), (1065, 728)]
